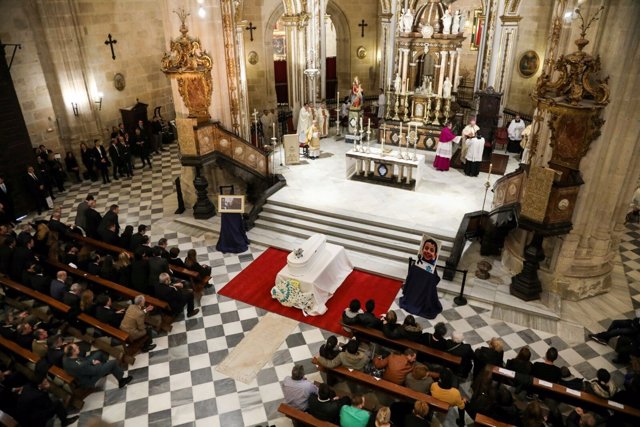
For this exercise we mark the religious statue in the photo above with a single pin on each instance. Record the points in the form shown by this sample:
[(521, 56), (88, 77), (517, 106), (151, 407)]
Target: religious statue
[(446, 22), (463, 21), (356, 94), (425, 82), (407, 21), (455, 28), (396, 83), (446, 88)]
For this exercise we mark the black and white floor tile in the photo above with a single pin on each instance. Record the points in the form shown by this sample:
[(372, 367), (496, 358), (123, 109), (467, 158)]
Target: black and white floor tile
[(177, 385)]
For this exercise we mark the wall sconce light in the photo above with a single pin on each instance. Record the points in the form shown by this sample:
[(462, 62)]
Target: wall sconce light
[(74, 107), (98, 100)]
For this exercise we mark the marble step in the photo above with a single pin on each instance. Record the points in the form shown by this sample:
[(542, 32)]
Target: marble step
[(310, 224), (384, 225), (342, 241), (380, 230)]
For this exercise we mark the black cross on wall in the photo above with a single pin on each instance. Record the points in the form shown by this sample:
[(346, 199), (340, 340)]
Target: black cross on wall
[(250, 28), (362, 25), (110, 41)]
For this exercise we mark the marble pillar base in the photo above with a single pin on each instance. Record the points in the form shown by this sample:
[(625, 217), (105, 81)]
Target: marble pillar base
[(576, 289)]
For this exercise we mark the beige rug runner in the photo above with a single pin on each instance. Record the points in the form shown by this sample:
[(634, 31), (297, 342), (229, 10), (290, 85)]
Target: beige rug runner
[(257, 348)]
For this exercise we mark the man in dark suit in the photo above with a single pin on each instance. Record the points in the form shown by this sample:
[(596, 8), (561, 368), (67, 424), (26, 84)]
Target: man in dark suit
[(88, 370), (93, 220), (175, 295), (162, 244), (100, 156), (157, 265), (72, 299), (22, 256), (6, 200), (140, 271), (110, 217), (37, 189), (105, 312), (55, 350), (58, 286), (6, 252), (114, 153), (174, 257), (94, 264), (137, 239), (109, 235), (56, 225), (325, 405), (36, 408), (81, 219), (546, 370)]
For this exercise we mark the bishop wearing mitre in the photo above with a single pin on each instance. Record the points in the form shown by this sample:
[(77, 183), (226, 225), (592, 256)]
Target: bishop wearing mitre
[(313, 140)]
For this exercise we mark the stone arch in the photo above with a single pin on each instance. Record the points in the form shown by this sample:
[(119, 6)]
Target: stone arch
[(275, 15), (292, 7), (343, 40)]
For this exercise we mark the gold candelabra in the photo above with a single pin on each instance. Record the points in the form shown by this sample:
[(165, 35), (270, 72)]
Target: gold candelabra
[(396, 107), (406, 107)]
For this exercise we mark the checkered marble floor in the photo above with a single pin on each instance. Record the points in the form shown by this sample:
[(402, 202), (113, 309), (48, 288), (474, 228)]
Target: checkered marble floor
[(177, 384)]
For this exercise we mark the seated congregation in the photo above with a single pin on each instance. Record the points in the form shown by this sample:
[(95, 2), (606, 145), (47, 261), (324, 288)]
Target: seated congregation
[(419, 376), (79, 302)]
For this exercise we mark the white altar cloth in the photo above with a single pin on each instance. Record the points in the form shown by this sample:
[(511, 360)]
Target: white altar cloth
[(322, 277)]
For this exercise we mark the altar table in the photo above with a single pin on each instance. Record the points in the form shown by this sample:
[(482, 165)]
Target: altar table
[(373, 166)]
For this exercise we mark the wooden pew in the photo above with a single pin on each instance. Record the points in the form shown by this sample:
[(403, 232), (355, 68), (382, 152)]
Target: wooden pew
[(371, 334), (197, 283), (483, 420), (302, 417), (580, 398), (130, 348), (129, 293), (387, 387), (73, 396)]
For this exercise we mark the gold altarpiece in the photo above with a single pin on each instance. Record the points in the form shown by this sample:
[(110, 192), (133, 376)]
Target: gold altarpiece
[(422, 91)]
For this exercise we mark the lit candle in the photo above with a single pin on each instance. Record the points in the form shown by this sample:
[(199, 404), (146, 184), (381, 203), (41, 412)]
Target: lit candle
[(490, 167), (360, 122), (400, 138), (338, 98), (369, 124), (274, 129)]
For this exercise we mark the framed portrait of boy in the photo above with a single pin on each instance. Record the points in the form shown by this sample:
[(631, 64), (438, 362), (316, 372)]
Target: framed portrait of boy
[(428, 253), (229, 203)]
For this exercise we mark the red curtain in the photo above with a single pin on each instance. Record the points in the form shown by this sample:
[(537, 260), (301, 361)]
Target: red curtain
[(280, 73)]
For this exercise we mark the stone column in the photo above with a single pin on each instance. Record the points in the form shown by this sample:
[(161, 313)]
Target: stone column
[(451, 66), (404, 60), (386, 55), (232, 60), (442, 71), (500, 79), (456, 75), (243, 95), (296, 61)]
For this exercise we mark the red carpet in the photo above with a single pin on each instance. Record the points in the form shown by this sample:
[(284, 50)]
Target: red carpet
[(253, 286)]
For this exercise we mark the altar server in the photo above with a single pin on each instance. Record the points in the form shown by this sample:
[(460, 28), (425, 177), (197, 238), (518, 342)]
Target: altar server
[(469, 131), (313, 140), (514, 131), (475, 147)]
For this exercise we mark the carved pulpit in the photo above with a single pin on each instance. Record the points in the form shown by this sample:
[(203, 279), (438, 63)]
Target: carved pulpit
[(190, 66), (569, 100)]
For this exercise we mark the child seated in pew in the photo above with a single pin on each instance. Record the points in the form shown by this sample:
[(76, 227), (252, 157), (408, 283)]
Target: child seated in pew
[(349, 315), (410, 329), (390, 327), (368, 318)]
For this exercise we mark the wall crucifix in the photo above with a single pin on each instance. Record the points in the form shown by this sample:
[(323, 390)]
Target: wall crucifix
[(250, 28), (110, 41), (362, 25)]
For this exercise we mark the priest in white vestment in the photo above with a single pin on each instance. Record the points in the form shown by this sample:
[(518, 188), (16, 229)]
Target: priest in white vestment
[(475, 147), (514, 131), (469, 131), (313, 140), (304, 123)]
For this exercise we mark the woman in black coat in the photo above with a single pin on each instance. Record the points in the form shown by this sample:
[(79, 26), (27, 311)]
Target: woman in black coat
[(88, 161)]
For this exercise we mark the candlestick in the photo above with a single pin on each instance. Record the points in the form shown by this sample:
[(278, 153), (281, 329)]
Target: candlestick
[(415, 145), (384, 137), (360, 122), (400, 143), (274, 130), (490, 167), (338, 98)]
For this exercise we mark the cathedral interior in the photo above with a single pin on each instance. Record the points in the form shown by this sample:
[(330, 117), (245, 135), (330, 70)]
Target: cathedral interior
[(538, 249)]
